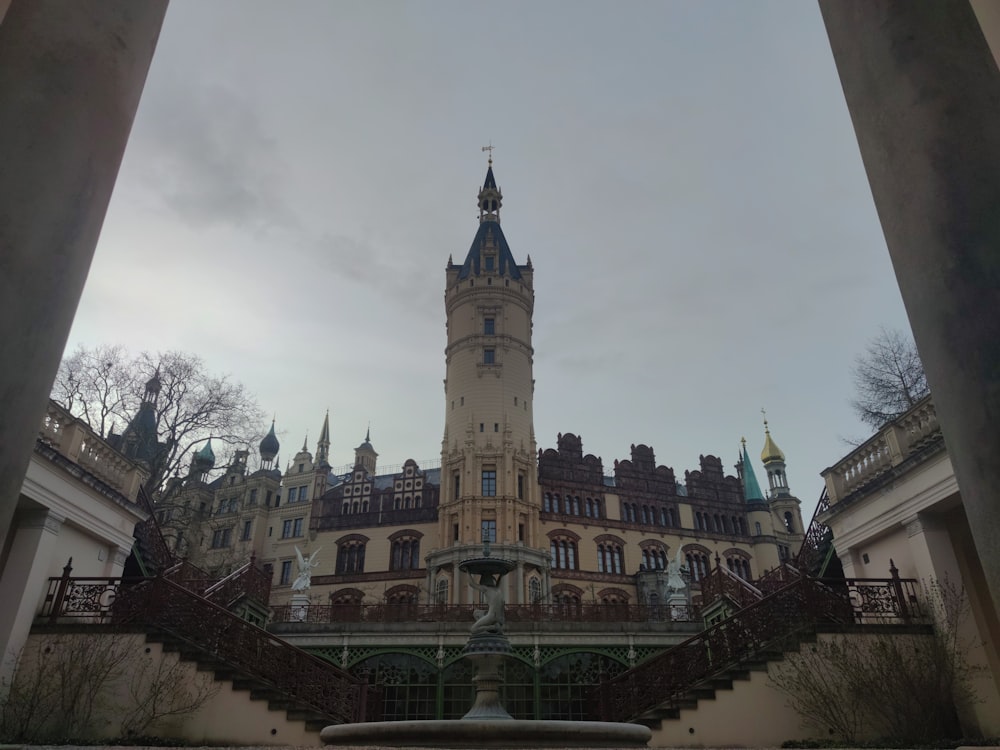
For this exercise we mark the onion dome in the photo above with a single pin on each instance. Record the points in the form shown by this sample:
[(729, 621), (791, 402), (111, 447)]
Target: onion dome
[(771, 450), (204, 459), (269, 446)]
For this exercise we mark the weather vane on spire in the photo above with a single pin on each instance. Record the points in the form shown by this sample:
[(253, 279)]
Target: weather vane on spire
[(490, 149)]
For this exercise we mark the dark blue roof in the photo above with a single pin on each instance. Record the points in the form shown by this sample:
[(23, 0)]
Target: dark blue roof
[(490, 182), (506, 265)]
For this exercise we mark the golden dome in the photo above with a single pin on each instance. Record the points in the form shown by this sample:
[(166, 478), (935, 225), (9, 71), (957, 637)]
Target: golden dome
[(771, 450)]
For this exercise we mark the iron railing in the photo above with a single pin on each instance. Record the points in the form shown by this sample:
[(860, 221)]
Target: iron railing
[(378, 613), (797, 607), (722, 582), (216, 633)]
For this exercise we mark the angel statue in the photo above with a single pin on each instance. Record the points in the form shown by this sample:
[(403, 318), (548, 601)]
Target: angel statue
[(304, 578), (675, 582)]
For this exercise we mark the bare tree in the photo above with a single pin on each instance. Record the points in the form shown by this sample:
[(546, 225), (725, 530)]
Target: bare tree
[(888, 378), (104, 386), (98, 385)]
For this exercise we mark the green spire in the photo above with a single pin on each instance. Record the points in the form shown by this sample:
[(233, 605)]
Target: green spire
[(751, 489)]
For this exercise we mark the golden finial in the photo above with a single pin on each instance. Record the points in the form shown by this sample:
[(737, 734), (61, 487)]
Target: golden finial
[(490, 149)]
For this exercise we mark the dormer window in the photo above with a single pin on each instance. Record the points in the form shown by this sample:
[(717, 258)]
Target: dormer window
[(489, 263)]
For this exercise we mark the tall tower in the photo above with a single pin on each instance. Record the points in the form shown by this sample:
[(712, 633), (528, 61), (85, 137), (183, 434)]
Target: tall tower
[(489, 476)]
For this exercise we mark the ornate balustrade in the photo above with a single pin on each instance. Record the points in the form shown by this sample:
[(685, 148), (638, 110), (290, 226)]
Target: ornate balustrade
[(889, 447), (84, 447), (164, 605), (799, 606), (376, 613)]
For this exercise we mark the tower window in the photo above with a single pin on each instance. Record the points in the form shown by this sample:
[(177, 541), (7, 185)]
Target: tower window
[(489, 356), (496, 427), (489, 326), (490, 483), (488, 262)]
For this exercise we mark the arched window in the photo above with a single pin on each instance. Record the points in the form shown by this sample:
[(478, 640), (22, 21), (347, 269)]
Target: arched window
[(610, 558), (351, 554), (534, 590), (563, 549), (645, 514), (597, 508), (442, 591), (346, 509), (547, 502)]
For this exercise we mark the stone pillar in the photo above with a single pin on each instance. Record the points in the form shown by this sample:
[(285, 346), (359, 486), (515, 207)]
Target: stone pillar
[(22, 584), (923, 91), (70, 78)]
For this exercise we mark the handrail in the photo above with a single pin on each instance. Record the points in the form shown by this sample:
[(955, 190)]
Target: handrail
[(378, 613), (217, 633), (721, 581), (799, 605)]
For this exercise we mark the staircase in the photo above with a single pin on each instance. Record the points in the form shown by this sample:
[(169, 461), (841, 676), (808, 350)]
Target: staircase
[(756, 634), (169, 612)]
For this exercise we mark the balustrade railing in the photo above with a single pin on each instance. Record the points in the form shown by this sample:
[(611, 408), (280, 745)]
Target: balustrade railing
[(77, 442), (799, 606), (377, 613), (162, 604), (889, 447)]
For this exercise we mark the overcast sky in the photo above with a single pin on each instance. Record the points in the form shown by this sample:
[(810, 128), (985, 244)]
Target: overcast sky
[(684, 177)]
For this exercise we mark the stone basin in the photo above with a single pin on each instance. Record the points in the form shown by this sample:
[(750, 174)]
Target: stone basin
[(477, 733)]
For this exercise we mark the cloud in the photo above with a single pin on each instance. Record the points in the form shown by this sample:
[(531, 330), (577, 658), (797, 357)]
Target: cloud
[(204, 152)]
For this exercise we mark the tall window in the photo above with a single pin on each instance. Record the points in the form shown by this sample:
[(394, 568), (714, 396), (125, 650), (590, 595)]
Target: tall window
[(563, 553), (442, 591), (286, 573), (458, 486), (489, 326), (489, 530), (489, 356), (489, 483), (246, 530), (610, 558), (291, 527), (405, 554), (221, 538), (520, 486), (351, 557), (302, 493)]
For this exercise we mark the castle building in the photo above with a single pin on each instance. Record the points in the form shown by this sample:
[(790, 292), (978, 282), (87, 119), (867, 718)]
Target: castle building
[(581, 536)]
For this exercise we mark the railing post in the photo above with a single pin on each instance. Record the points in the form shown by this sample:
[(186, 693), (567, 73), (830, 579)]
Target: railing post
[(897, 590), (61, 591)]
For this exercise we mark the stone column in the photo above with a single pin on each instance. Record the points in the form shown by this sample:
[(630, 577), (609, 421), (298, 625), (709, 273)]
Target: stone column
[(22, 584), (923, 91), (70, 78)]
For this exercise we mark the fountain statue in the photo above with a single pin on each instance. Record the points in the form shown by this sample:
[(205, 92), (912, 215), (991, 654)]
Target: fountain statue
[(487, 723)]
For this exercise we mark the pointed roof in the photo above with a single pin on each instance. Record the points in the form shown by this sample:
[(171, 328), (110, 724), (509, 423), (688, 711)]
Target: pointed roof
[(771, 450), (751, 488), (489, 182), (205, 457), (324, 434), (367, 445)]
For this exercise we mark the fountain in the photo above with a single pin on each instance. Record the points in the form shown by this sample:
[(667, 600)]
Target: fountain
[(487, 723)]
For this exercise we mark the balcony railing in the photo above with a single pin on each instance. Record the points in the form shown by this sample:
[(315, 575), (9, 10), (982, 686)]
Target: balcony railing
[(889, 447), (378, 613)]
